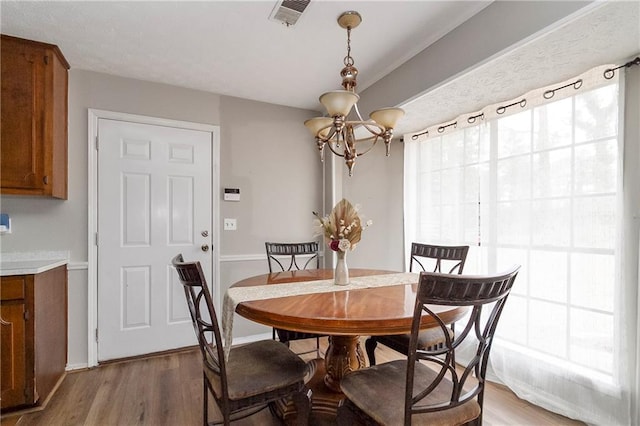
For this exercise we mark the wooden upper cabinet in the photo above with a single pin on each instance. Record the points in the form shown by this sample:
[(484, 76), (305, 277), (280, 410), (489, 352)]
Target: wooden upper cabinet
[(33, 143)]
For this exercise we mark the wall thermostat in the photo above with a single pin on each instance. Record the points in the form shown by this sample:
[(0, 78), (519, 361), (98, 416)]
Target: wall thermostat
[(232, 194)]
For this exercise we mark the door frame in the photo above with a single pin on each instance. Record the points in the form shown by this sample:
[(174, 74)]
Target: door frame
[(94, 115)]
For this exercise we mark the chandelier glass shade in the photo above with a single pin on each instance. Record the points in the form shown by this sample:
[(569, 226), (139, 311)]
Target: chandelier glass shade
[(338, 132)]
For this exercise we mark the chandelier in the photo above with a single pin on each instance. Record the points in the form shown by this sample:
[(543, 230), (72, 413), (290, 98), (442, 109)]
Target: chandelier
[(338, 133)]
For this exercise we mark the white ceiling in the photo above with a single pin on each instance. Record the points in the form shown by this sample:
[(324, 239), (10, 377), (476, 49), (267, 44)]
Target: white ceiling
[(232, 48)]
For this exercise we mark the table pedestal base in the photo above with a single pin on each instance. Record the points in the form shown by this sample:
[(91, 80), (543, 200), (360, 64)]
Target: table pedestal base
[(344, 355)]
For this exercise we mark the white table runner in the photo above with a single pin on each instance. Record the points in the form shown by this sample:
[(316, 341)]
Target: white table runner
[(237, 295)]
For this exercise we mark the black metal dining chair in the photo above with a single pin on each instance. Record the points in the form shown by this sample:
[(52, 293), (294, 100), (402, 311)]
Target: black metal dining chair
[(281, 254), (293, 255), (427, 388), (255, 376), (449, 259)]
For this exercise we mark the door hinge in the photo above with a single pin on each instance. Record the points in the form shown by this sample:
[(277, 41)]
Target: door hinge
[(96, 238), (26, 315), (45, 180), (96, 334), (46, 60), (97, 144)]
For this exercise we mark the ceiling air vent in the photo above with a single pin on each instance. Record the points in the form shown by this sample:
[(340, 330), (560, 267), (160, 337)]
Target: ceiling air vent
[(289, 11)]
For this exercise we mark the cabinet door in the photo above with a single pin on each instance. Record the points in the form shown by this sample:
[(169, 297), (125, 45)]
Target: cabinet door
[(13, 375), (23, 119)]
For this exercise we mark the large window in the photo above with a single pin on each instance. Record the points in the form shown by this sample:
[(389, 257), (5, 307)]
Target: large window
[(556, 189), (541, 188)]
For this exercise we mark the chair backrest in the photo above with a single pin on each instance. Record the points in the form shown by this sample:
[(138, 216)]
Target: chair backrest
[(476, 292), (445, 259), (289, 253), (205, 320)]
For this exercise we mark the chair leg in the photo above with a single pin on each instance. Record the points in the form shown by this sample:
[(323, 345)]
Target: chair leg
[(302, 404), (205, 401), (370, 345), (318, 347), (346, 415), (453, 353), (478, 420), (475, 422)]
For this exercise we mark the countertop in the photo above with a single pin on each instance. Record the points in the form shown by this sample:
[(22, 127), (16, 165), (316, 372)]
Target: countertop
[(30, 263), (28, 267)]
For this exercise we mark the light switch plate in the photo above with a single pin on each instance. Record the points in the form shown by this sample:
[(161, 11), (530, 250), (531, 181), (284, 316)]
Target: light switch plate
[(230, 224)]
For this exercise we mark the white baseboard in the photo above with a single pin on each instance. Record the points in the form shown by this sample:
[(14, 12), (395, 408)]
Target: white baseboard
[(252, 338), (80, 366), (236, 341)]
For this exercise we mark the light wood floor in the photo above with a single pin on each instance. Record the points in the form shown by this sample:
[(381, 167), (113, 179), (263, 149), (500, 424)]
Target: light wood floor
[(167, 389)]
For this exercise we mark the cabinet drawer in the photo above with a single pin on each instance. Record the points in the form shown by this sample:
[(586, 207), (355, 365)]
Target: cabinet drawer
[(12, 288)]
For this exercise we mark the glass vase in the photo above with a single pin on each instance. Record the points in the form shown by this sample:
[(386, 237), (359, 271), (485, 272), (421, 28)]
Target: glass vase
[(341, 274)]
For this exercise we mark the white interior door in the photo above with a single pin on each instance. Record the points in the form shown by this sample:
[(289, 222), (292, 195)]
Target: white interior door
[(154, 201)]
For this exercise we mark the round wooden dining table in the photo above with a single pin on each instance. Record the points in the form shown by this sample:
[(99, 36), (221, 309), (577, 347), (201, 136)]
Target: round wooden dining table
[(344, 315)]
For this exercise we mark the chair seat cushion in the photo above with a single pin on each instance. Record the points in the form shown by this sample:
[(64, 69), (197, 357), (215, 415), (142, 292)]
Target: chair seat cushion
[(379, 392), (428, 339), (258, 368)]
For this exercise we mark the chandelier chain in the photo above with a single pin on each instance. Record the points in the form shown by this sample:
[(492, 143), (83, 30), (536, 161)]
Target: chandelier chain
[(348, 60)]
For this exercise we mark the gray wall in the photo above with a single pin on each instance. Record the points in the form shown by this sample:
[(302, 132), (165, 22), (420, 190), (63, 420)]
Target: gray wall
[(377, 186), (265, 151), (268, 153)]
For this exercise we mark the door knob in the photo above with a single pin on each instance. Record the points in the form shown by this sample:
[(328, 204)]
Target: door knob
[(205, 247)]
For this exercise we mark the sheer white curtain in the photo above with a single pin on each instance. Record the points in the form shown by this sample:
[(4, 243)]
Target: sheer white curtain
[(544, 187)]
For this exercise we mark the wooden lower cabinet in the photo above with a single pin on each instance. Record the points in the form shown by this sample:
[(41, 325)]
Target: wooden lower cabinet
[(33, 325)]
